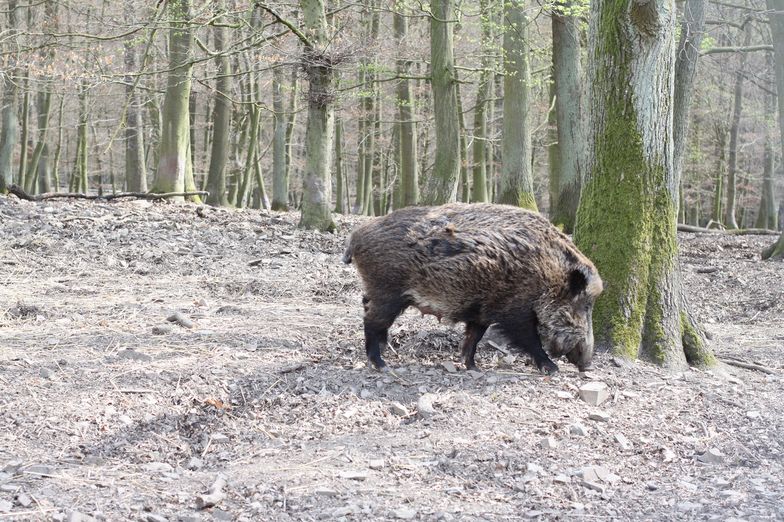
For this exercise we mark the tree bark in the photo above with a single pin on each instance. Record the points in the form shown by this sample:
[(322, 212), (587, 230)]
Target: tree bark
[(221, 123), (280, 164), (732, 160), (441, 185), (631, 186), (44, 107), (567, 77), (174, 150), (407, 133), (516, 177), (9, 124), (776, 17), (317, 196), (483, 93), (135, 163)]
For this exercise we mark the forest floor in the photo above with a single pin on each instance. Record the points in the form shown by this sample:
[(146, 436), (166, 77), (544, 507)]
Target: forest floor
[(108, 411)]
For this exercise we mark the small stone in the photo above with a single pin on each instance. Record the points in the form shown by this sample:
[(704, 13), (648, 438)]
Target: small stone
[(534, 468), (688, 506), (5, 506), (376, 464), (668, 455), (155, 517), (219, 514), (39, 469), (599, 416), (398, 409), (125, 420), (475, 374), (180, 319), (219, 438), (343, 511), (449, 366), (622, 441), (13, 466), (75, 516), (753, 414), (652, 486), (405, 513), (534, 513), (594, 392), (425, 406), (564, 394), (712, 456), (194, 463), (548, 443), (605, 475), (563, 479), (577, 430), (162, 329), (354, 475), (592, 485), (325, 492), (24, 500), (46, 373), (133, 355), (158, 467), (365, 394)]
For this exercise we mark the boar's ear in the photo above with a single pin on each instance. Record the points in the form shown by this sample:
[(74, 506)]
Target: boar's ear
[(584, 280), (577, 282)]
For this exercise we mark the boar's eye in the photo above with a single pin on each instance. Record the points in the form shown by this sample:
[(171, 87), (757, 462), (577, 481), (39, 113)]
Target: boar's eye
[(577, 282)]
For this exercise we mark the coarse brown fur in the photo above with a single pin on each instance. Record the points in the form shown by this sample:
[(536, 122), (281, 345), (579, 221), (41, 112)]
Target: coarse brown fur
[(480, 264)]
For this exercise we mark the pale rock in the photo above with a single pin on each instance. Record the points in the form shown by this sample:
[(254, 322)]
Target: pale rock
[(564, 394), (376, 464), (712, 456), (354, 475), (622, 441), (599, 416), (668, 455), (688, 506), (534, 468), (24, 500), (405, 513), (449, 366), (594, 392), (577, 430), (548, 443), (398, 409), (425, 406), (5, 506), (325, 492)]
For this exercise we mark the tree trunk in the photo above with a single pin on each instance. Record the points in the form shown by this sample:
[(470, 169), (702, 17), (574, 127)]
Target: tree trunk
[(776, 17), (516, 177), (25, 127), (9, 125), (79, 174), (59, 147), (135, 164), (280, 163), (631, 186), (221, 123), (464, 187), (766, 217), (340, 188), (44, 106), (568, 112), (483, 93), (407, 133), (721, 170), (732, 161), (174, 155), (317, 196), (441, 185)]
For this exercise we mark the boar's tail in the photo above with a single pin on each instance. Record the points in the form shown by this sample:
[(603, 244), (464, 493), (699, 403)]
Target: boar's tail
[(348, 252)]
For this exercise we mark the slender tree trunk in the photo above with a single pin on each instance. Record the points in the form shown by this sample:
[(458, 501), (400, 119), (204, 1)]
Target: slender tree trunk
[(483, 93), (25, 127), (79, 174), (261, 188), (174, 147), (253, 139), (407, 133), (631, 177), (568, 112), (280, 162), (766, 217), (9, 125), (44, 102), (135, 164), (221, 123), (721, 171), (441, 186), (317, 195), (59, 147), (776, 17), (340, 187), (516, 177), (737, 109)]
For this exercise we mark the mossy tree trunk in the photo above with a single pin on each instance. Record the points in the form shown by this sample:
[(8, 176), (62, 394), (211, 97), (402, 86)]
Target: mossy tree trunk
[(441, 185), (9, 123), (516, 177), (174, 149), (221, 122), (280, 171), (319, 132), (567, 77), (407, 132), (626, 220), (776, 17)]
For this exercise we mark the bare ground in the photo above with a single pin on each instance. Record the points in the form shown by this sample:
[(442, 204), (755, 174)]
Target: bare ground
[(101, 417)]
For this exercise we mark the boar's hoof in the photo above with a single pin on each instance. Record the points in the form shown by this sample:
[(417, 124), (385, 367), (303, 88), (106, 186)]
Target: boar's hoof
[(547, 367), (378, 364)]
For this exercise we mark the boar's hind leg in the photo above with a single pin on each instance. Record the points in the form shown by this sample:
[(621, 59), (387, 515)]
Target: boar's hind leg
[(380, 313), (473, 334)]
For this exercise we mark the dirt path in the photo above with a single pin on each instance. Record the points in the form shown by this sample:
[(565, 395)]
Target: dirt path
[(109, 411)]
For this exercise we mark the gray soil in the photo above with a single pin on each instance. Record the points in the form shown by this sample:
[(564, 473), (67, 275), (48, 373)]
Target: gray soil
[(257, 398)]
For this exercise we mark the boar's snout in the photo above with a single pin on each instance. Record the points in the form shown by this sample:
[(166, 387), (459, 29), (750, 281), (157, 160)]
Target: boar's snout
[(582, 354)]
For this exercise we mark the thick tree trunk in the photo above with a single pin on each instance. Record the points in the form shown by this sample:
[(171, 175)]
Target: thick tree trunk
[(732, 160), (568, 111), (221, 124), (631, 186), (407, 133), (9, 124), (516, 177), (776, 17), (441, 186), (317, 196), (44, 106), (174, 150)]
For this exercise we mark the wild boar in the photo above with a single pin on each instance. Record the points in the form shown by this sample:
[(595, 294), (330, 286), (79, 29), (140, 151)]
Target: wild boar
[(479, 264)]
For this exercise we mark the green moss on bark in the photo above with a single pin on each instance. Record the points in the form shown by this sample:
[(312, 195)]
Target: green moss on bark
[(694, 345)]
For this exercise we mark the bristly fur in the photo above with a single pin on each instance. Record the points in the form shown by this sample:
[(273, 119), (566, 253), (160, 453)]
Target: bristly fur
[(479, 264)]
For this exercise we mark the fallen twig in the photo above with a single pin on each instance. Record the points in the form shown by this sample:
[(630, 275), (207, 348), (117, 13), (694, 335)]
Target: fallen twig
[(214, 495), (21, 194), (747, 366), (737, 232)]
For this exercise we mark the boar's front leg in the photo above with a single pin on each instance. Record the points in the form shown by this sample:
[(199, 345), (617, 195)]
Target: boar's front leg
[(473, 334), (380, 313), (522, 331)]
